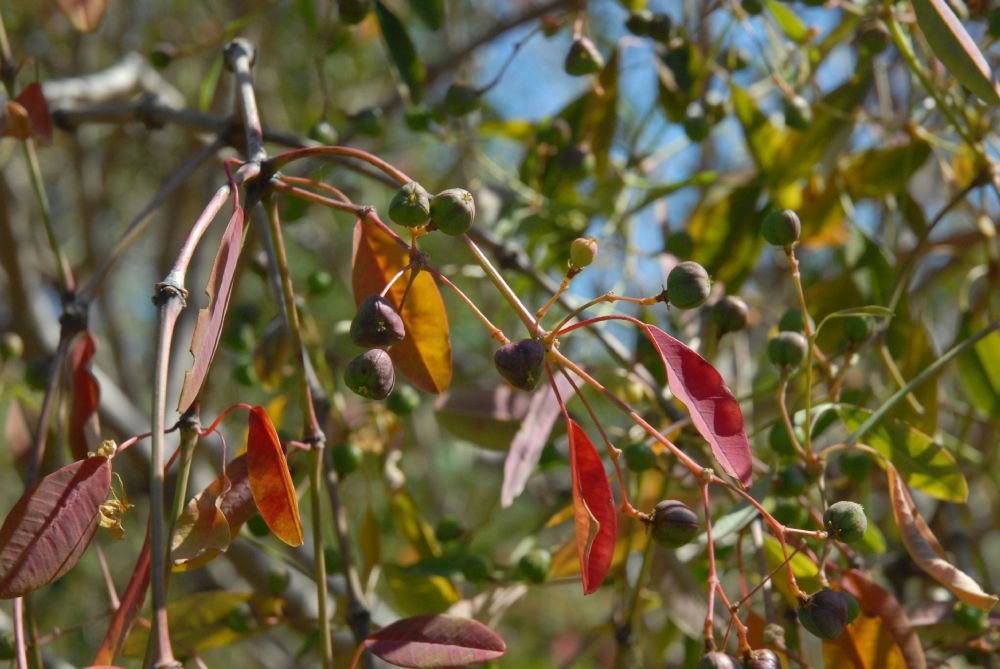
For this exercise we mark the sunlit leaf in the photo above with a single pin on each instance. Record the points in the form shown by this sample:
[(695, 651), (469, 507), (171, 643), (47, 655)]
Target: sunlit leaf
[(197, 622), (401, 49), (208, 328), (270, 482), (417, 533), (763, 138), (806, 571), (880, 604), (129, 605), (414, 593), (424, 355), (926, 550), (602, 113), (594, 511), (435, 641), (370, 542), (85, 15), (954, 47), (51, 526), (713, 407), (865, 644), (788, 21), (85, 397), (979, 367), (923, 464), (725, 230), (882, 171)]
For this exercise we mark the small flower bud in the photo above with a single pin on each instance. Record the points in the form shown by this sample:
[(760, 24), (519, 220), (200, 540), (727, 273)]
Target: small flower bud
[(673, 524)]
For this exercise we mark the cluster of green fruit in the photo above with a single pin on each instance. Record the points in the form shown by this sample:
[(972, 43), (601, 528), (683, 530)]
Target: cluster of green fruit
[(451, 211)]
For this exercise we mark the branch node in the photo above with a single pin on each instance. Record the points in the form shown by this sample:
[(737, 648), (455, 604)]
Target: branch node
[(170, 289), (238, 49)]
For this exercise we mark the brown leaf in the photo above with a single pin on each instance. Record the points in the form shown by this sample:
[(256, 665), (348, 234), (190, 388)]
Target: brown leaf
[(85, 15), (85, 397), (865, 644), (270, 481)]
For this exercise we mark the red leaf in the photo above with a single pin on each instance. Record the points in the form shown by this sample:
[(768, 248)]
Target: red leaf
[(85, 15), (424, 355), (208, 329), (270, 482), (128, 608), (28, 115), (527, 445), (713, 407), (51, 526), (435, 640), (593, 510), (84, 426)]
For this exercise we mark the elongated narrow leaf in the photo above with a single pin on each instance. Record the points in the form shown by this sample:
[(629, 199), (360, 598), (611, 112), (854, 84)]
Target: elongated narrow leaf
[(763, 138), (51, 526), (713, 407), (197, 622), (954, 47), (979, 367), (593, 510), (879, 603), (270, 482), (85, 397), (208, 329), (423, 642), (926, 550), (923, 464), (404, 54), (870, 310), (424, 355), (128, 608), (527, 445)]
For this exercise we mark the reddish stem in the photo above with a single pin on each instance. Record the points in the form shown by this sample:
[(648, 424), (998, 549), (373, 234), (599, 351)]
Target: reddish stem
[(282, 159)]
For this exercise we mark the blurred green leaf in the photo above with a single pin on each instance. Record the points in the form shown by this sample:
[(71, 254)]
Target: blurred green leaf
[(763, 139), (415, 594), (431, 12), (788, 21), (870, 310), (883, 171), (403, 52), (724, 227), (979, 367), (197, 622)]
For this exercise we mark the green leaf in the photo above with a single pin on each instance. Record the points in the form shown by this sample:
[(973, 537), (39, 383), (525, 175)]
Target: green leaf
[(740, 516), (763, 139), (979, 367), (724, 227), (197, 622), (882, 171), (414, 593), (805, 570), (870, 310), (431, 12), (788, 21), (602, 114), (654, 193), (923, 464), (401, 49)]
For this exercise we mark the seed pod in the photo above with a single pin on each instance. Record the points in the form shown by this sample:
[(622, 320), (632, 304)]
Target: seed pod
[(346, 458), (461, 99), (673, 524), (410, 206), (582, 252), (639, 456), (696, 125), (688, 285), (730, 314), (824, 614), (792, 321), (762, 658), (371, 374), (845, 521), (353, 12), (781, 228), (535, 564), (452, 211), (376, 324), (520, 362), (583, 58), (856, 328), (798, 113), (787, 349), (717, 660)]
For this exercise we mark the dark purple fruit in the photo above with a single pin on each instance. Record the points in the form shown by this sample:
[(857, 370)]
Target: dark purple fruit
[(583, 58), (856, 329), (845, 521), (673, 523), (688, 285), (787, 349), (376, 324), (752, 7), (717, 660), (453, 211), (762, 658), (520, 362), (410, 206), (781, 228), (371, 374), (824, 614), (730, 314)]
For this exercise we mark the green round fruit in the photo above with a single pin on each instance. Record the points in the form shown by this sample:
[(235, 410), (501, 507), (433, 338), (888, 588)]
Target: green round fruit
[(873, 39), (410, 206), (680, 244), (696, 125), (520, 362), (353, 12), (853, 607), (583, 58), (258, 526), (403, 401), (790, 481), (418, 118), (582, 252), (346, 458), (781, 228), (790, 513), (448, 528), (659, 27), (688, 285), (277, 579), (787, 349), (534, 565), (245, 375), (717, 660), (453, 211), (845, 521), (368, 122), (371, 374), (856, 465), (461, 99), (780, 441), (970, 617), (333, 562), (762, 658), (319, 282), (476, 568), (792, 321), (824, 614), (376, 323), (856, 328), (730, 314), (241, 619), (639, 456), (673, 523)]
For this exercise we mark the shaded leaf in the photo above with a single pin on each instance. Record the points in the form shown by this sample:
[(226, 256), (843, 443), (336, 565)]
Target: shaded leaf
[(431, 12), (870, 310), (527, 445), (925, 549), (401, 49), (979, 367), (602, 114), (435, 641), (923, 464), (725, 230), (85, 15), (954, 47), (593, 510), (486, 418), (884, 170), (410, 526), (270, 482), (414, 593), (370, 543), (85, 397), (713, 407), (129, 605), (197, 622), (879, 603), (424, 355), (806, 571), (51, 526), (208, 329)]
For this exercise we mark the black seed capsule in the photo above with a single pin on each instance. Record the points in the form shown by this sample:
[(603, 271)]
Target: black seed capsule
[(673, 524), (824, 614), (520, 362), (376, 323), (371, 374)]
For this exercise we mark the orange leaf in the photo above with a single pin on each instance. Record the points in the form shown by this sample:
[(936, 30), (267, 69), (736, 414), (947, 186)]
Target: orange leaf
[(893, 620), (424, 355), (865, 644), (84, 427), (593, 510), (270, 482)]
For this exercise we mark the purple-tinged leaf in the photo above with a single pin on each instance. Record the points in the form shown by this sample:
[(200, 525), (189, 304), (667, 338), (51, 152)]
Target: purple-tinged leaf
[(51, 526), (527, 445), (594, 510), (208, 329), (435, 640), (84, 426), (713, 407)]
